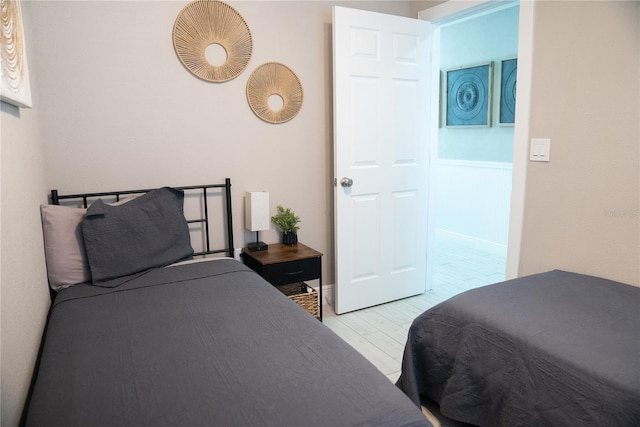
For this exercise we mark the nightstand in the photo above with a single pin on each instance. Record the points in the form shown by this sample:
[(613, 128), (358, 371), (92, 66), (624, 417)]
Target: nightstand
[(286, 264)]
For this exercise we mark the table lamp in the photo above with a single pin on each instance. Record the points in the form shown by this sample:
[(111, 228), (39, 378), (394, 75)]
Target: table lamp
[(256, 216)]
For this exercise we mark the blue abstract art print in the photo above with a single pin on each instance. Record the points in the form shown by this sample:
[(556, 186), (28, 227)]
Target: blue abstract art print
[(508, 80), (469, 96)]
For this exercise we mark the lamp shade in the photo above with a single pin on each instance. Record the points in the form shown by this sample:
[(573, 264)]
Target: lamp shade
[(256, 211)]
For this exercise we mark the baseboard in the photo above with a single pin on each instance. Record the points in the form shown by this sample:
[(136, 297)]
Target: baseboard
[(327, 294), (472, 242)]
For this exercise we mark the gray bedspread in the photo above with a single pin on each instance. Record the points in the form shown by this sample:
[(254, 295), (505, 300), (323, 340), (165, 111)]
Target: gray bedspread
[(205, 344), (551, 349)]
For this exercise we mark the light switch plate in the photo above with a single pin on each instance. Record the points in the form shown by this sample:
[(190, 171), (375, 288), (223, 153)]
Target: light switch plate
[(540, 148)]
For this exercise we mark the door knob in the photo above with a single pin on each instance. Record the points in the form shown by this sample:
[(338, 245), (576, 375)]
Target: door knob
[(346, 182)]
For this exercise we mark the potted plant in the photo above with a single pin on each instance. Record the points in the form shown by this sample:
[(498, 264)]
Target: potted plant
[(287, 221)]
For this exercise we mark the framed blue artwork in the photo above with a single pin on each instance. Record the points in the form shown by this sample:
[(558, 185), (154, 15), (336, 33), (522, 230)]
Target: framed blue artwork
[(508, 80), (468, 96)]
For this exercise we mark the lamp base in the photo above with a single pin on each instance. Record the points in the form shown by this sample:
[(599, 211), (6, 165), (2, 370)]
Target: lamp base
[(258, 246)]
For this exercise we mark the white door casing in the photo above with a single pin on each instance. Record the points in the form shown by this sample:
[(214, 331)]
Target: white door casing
[(382, 79)]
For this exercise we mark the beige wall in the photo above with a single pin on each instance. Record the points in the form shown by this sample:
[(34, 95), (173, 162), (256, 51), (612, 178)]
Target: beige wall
[(582, 208), (114, 108), (420, 5), (121, 111), (23, 282)]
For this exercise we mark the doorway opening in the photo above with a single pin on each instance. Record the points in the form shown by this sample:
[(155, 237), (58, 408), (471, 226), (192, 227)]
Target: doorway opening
[(472, 164)]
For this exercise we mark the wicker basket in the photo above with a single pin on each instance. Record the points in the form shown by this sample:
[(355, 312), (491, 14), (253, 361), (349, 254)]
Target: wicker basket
[(303, 295)]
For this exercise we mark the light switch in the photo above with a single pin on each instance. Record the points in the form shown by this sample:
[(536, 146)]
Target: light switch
[(540, 150)]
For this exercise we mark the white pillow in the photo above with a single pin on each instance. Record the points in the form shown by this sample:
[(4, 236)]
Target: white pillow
[(64, 250)]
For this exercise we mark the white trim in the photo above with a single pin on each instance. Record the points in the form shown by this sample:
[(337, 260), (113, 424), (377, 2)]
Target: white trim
[(327, 295), (474, 164), (520, 136), (434, 120), (472, 242), (481, 187)]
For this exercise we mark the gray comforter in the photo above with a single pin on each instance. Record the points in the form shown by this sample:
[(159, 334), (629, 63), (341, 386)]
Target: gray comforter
[(206, 344), (552, 349)]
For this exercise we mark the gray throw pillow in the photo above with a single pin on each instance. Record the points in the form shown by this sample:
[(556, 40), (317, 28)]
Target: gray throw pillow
[(149, 231)]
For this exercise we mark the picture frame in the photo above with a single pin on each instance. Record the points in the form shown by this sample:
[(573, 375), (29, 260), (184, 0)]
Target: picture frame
[(507, 91), (468, 94), (15, 88)]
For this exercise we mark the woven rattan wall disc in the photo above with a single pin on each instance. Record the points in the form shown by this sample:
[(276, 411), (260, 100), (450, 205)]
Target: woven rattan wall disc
[(205, 22), (269, 79)]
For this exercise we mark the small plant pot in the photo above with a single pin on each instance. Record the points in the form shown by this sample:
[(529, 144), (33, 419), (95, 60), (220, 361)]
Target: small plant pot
[(289, 238)]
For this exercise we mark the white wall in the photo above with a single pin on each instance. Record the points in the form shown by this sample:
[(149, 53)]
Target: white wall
[(473, 200), (23, 281)]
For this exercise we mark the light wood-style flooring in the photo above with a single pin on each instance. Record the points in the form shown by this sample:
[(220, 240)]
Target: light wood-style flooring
[(379, 333)]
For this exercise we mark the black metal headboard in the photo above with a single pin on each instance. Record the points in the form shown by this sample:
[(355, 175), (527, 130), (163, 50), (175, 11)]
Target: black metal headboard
[(204, 219)]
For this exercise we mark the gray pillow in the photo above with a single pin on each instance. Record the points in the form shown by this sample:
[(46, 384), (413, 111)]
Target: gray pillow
[(64, 250), (149, 231)]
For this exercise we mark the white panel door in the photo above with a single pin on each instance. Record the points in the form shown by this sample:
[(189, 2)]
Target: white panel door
[(381, 148)]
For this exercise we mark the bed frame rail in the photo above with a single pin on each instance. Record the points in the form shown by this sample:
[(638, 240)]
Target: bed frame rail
[(229, 249)]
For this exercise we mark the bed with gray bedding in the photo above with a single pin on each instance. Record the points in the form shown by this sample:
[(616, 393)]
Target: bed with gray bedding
[(140, 340), (553, 349), (208, 343)]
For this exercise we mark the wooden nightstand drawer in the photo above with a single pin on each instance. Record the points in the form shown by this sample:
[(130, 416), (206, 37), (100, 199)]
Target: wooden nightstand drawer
[(290, 272)]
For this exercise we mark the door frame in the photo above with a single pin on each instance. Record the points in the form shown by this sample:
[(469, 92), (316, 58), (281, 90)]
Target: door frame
[(455, 10)]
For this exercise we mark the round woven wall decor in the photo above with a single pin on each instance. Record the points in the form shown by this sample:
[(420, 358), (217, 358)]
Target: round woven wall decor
[(205, 22), (270, 79)]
